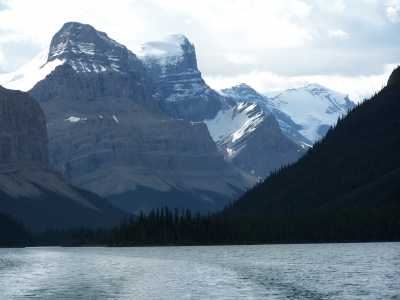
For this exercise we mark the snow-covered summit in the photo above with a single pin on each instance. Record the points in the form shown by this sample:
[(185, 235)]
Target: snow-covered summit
[(171, 53), (176, 81), (314, 107), (306, 112), (170, 45), (89, 50), (245, 93)]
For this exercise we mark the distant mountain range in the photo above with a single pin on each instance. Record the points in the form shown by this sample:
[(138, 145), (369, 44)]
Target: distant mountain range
[(143, 129), (304, 114)]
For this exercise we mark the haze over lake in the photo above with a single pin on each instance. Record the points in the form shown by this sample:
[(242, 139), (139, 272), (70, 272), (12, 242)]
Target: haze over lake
[(311, 271)]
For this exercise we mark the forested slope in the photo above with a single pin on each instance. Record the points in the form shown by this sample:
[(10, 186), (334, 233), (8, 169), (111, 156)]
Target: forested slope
[(356, 165)]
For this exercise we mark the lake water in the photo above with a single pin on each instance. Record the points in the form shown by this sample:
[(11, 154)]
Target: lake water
[(313, 271)]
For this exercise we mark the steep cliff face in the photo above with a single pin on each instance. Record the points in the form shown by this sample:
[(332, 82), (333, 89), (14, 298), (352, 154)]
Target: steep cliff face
[(23, 136), (107, 133), (176, 81), (30, 189)]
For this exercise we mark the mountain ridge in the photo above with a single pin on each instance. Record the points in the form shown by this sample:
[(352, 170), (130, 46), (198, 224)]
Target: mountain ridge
[(304, 114), (355, 166)]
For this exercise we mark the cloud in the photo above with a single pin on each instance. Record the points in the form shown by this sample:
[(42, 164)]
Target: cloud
[(239, 59), (338, 33), (300, 8), (393, 10), (3, 5), (339, 5), (233, 38), (358, 88), (3, 65)]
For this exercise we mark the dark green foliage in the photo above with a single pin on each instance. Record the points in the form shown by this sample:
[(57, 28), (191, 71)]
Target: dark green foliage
[(165, 227), (162, 228), (13, 233)]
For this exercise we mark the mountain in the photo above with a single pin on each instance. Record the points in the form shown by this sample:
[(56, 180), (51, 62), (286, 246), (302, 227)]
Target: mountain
[(108, 134), (251, 140), (353, 171), (176, 81), (30, 189), (247, 138), (304, 114)]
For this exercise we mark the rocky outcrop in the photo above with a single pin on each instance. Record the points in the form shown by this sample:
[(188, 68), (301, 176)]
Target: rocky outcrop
[(30, 189)]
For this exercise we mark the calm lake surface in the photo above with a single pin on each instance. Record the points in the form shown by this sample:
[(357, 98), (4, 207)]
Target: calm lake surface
[(312, 271)]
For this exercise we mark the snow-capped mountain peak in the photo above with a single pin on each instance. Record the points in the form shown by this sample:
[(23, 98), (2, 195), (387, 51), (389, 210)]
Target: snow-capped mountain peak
[(170, 52), (170, 45), (88, 50), (304, 114)]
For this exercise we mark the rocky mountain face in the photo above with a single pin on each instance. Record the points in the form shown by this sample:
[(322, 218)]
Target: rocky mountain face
[(30, 189), (176, 81), (246, 94), (108, 134), (252, 141), (304, 114)]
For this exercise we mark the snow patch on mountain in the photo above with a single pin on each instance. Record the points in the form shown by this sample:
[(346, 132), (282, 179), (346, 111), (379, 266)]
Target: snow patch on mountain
[(236, 121), (34, 71), (73, 119)]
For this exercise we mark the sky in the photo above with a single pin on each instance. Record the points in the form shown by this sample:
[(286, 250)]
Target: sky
[(348, 46)]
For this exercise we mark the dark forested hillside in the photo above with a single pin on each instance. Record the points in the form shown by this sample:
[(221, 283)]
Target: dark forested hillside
[(356, 165), (13, 233)]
